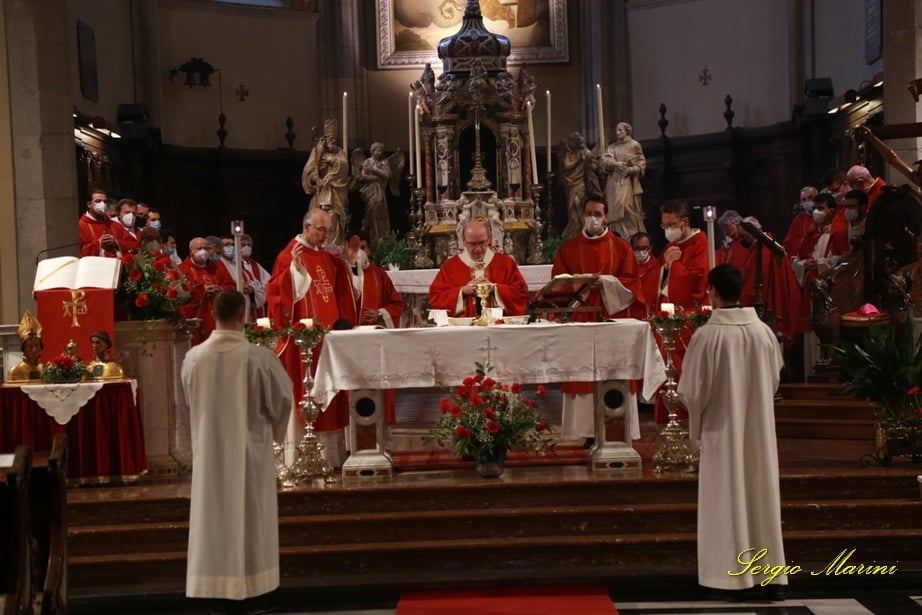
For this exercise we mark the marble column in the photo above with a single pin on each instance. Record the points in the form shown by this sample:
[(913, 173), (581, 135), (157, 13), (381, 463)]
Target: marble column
[(902, 31), (9, 269)]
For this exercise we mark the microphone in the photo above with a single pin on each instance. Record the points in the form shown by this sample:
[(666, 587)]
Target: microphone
[(38, 256), (760, 236)]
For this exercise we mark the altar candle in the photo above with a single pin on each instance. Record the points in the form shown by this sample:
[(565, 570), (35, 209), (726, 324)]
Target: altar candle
[(419, 169), (548, 94), (705, 308), (668, 308), (309, 322), (410, 128), (531, 142), (264, 322), (345, 121), (598, 96)]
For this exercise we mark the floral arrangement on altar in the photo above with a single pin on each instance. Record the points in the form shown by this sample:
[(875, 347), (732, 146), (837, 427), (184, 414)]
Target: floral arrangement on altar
[(265, 332), (64, 368), (151, 288), (485, 418), (668, 316)]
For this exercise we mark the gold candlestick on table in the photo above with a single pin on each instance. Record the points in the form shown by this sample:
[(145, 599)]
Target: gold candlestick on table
[(483, 293), (309, 463)]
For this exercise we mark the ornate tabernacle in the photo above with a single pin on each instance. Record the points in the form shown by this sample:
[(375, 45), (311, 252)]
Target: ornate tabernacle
[(474, 132)]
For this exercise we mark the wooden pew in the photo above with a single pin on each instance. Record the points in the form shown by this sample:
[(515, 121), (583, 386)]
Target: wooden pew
[(15, 535), (48, 495)]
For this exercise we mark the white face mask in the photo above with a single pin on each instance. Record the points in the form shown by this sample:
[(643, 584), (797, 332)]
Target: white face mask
[(673, 234), (99, 208), (819, 216), (246, 251), (200, 257), (642, 256), (808, 206), (851, 214), (361, 259), (592, 224), (128, 220)]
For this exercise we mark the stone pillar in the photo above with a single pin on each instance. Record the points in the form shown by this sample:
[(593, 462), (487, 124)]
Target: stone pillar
[(9, 270), (902, 63), (41, 111)]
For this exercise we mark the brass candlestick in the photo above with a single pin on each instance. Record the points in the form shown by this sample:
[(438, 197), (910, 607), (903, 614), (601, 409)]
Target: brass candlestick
[(309, 463), (483, 293), (672, 451)]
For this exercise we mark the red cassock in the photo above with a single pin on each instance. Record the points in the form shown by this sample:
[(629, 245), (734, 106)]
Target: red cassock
[(457, 271), (90, 230), (800, 226), (780, 290), (685, 287), (328, 299), (199, 305), (605, 254), (378, 293), (837, 246), (129, 242), (875, 191), (649, 283)]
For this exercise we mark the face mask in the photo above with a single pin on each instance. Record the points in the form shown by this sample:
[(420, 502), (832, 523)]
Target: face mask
[(819, 216), (592, 224), (246, 251), (154, 224), (642, 256), (200, 257), (168, 251), (808, 206), (673, 234), (228, 252), (361, 259), (851, 214), (141, 220), (99, 208), (215, 258), (128, 220)]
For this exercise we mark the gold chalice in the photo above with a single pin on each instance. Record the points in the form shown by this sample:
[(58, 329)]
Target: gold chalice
[(484, 290)]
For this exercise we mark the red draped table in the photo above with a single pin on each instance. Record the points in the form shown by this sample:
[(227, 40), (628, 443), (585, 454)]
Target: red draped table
[(105, 436)]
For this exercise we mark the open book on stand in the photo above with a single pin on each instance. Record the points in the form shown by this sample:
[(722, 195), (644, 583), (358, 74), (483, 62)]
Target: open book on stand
[(72, 272)]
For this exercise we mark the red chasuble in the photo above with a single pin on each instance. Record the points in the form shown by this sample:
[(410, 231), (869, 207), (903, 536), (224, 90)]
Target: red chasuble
[(780, 290), (199, 305), (458, 270), (800, 226), (328, 299), (90, 230)]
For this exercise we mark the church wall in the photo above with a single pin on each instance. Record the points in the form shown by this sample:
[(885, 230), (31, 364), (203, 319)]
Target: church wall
[(9, 299), (839, 45), (744, 46), (271, 52)]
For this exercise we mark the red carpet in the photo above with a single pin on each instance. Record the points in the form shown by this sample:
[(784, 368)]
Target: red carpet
[(511, 601)]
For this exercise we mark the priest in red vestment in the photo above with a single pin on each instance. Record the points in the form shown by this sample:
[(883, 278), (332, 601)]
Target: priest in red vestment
[(309, 282), (683, 279), (455, 286), (97, 237), (205, 281), (377, 302), (801, 223), (730, 253), (859, 178), (648, 269), (597, 250)]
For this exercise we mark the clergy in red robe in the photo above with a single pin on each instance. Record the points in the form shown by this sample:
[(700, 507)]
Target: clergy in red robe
[(859, 178), (126, 233), (730, 252), (97, 237), (648, 269), (455, 286), (205, 281), (683, 279), (309, 282), (801, 223)]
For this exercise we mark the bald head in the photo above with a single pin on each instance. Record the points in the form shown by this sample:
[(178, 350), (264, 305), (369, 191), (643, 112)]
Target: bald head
[(317, 224), (859, 178), (476, 237)]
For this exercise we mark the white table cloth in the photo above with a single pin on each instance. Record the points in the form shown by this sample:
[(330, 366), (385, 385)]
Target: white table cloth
[(537, 353), (62, 401)]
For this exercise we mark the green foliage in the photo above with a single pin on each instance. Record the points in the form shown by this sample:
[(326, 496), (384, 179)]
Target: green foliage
[(549, 249), (391, 250)]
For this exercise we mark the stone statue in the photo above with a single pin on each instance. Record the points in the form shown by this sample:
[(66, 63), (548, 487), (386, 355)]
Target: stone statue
[(373, 177), (424, 90), (624, 164), (578, 174), (526, 87), (326, 177)]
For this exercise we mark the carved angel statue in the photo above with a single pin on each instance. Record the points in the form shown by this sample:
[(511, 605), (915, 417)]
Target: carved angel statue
[(373, 177), (326, 177), (478, 85), (579, 176), (505, 90), (527, 88)]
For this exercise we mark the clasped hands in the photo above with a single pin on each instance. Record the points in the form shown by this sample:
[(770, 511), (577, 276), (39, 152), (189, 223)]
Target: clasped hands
[(470, 288), (671, 254)]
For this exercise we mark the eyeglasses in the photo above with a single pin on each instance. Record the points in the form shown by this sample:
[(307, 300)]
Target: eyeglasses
[(672, 225), (321, 229), (476, 244)]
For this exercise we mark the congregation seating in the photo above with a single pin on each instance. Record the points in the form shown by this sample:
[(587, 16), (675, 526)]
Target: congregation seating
[(33, 531)]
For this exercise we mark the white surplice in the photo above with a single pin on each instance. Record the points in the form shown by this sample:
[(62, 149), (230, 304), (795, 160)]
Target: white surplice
[(240, 398), (729, 377)]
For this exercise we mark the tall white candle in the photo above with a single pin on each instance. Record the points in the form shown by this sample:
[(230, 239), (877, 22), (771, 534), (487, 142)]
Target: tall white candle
[(419, 169), (531, 143), (307, 322), (667, 308), (549, 141), (598, 96), (410, 128), (345, 121)]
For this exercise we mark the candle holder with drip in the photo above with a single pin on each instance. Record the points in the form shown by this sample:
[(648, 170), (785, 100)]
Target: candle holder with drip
[(672, 450)]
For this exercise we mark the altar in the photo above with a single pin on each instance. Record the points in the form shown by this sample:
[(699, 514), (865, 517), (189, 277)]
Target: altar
[(610, 354), (102, 422)]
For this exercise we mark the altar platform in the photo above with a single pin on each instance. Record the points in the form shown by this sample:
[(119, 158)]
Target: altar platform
[(533, 525)]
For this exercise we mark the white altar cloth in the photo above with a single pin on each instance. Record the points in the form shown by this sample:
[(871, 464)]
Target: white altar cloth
[(418, 281), (62, 401), (538, 353)]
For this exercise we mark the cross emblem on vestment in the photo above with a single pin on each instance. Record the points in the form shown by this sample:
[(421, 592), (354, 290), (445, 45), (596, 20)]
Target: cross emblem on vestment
[(75, 307), (322, 284)]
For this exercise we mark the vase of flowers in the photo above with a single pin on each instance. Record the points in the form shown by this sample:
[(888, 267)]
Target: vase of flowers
[(263, 334), (151, 288), (64, 369), (484, 419)]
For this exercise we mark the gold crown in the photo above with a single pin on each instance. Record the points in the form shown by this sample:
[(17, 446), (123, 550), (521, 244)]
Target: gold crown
[(329, 128), (29, 327)]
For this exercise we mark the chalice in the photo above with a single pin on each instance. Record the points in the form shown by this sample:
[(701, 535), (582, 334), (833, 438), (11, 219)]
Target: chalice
[(484, 290)]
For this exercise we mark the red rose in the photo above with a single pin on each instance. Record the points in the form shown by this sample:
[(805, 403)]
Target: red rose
[(158, 287), (135, 275), (478, 378), (142, 300), (475, 398), (493, 427), (516, 388), (299, 326), (489, 413), (66, 362), (462, 432), (913, 391), (258, 329), (172, 293), (172, 275), (530, 403), (488, 384), (468, 381), (498, 321), (456, 411), (461, 391), (445, 405), (542, 391), (128, 259), (162, 263), (541, 426)]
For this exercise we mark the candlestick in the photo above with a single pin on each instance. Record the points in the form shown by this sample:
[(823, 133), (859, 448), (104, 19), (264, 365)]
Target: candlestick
[(598, 95), (419, 169), (410, 128), (236, 232), (710, 213), (668, 308), (345, 121), (531, 143), (548, 95)]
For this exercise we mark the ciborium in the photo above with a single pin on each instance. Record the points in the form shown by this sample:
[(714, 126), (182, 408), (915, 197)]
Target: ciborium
[(484, 290)]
